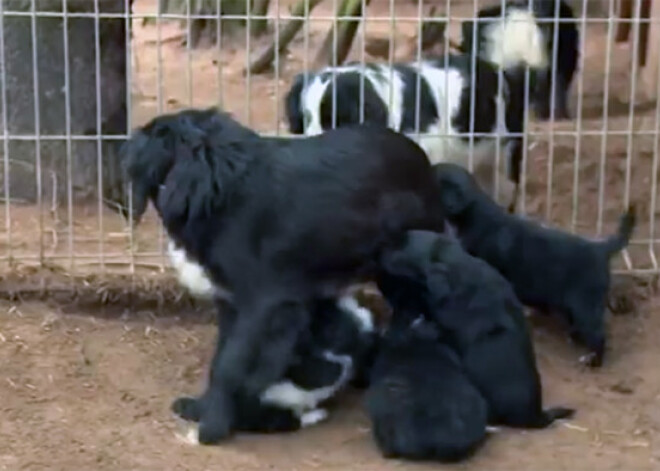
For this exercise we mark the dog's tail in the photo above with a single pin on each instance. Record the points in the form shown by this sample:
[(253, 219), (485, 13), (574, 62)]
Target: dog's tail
[(617, 242)]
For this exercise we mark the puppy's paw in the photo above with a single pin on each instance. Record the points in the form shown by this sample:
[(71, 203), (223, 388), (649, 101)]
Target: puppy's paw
[(188, 408), (217, 419), (313, 417)]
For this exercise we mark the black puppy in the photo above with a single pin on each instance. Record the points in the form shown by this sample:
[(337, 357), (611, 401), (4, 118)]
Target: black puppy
[(333, 351), (421, 404), (548, 269), (480, 317), (277, 223)]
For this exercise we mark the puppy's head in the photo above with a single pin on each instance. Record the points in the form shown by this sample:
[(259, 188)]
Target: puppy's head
[(293, 104), (458, 188)]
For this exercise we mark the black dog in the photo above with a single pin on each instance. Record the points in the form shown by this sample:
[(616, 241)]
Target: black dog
[(278, 223), (548, 269), (519, 37), (335, 350), (480, 317), (421, 404)]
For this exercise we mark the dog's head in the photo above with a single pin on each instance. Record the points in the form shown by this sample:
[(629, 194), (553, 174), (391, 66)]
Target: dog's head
[(458, 188), (176, 161)]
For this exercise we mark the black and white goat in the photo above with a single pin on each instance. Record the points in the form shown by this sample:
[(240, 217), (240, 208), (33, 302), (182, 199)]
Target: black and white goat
[(519, 36), (280, 224), (445, 124)]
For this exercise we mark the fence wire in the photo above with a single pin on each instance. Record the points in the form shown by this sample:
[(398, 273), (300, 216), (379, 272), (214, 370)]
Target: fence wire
[(578, 173)]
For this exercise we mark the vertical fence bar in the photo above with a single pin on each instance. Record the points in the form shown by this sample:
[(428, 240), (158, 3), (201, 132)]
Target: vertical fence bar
[(5, 133), (363, 37), (67, 126), (633, 95), (605, 126), (189, 68), (129, 122), (654, 174), (473, 79), (248, 74), (218, 43), (418, 68), (37, 124), (527, 93), (553, 91), (99, 132), (276, 64), (578, 118)]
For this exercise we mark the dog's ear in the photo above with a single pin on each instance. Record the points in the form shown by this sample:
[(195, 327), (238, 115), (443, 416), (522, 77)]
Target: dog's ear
[(293, 105), (147, 156), (399, 264)]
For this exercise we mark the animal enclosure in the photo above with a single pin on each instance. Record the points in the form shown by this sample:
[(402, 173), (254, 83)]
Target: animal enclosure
[(62, 234)]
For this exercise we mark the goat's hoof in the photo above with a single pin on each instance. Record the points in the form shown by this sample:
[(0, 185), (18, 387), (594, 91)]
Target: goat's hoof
[(188, 408)]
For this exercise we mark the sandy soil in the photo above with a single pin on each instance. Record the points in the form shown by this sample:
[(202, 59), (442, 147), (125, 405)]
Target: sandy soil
[(86, 385)]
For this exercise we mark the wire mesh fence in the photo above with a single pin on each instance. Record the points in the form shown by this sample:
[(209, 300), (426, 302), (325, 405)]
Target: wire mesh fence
[(77, 76)]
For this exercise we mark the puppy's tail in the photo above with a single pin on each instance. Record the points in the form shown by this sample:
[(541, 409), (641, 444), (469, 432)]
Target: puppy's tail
[(617, 242), (548, 416)]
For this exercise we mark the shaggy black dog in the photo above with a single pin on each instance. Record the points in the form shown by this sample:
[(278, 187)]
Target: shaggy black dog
[(518, 37), (550, 270), (336, 348), (479, 316), (421, 404), (278, 223)]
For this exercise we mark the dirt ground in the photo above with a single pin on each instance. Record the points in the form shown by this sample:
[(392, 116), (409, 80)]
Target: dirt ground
[(87, 385)]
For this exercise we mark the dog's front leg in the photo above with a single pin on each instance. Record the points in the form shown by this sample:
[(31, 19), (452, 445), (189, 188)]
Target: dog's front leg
[(190, 408), (255, 353)]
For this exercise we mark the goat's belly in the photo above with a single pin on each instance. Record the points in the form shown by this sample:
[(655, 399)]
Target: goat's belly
[(453, 149)]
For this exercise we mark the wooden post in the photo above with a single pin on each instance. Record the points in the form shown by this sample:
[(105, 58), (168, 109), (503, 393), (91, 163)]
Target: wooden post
[(650, 73)]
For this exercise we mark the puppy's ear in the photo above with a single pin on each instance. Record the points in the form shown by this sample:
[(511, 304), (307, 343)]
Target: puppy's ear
[(293, 105), (398, 263), (457, 188)]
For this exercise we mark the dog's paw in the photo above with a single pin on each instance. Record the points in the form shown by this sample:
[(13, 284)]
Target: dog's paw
[(213, 431), (188, 408), (592, 360), (313, 417), (189, 435)]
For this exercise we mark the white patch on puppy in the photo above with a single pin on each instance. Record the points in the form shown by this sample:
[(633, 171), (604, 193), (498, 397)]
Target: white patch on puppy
[(361, 315), (287, 395), (313, 417)]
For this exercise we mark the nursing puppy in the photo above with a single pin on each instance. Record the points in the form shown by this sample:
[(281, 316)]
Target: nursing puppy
[(549, 269), (432, 103), (519, 37), (421, 404), (278, 223), (331, 353), (479, 317)]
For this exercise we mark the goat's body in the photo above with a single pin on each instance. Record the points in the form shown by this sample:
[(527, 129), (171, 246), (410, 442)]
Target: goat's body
[(432, 103)]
